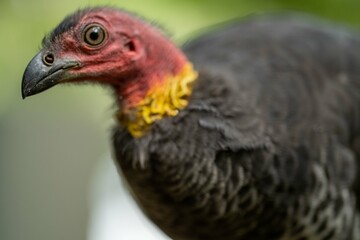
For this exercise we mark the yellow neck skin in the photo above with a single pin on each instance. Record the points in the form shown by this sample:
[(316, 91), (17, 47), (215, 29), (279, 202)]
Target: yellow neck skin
[(161, 101)]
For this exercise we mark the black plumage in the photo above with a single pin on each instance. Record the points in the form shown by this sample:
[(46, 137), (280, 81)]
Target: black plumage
[(268, 147)]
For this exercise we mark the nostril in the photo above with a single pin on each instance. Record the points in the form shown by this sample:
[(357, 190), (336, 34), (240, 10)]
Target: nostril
[(48, 59)]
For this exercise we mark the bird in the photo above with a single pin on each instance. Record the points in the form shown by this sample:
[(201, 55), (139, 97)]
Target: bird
[(250, 130)]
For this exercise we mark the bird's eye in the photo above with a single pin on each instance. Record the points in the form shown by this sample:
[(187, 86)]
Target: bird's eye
[(94, 35)]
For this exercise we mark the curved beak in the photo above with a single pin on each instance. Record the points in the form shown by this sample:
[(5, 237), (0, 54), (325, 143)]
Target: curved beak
[(39, 77)]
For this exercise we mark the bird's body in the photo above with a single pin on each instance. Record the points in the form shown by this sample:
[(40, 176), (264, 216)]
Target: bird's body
[(263, 151), (267, 145)]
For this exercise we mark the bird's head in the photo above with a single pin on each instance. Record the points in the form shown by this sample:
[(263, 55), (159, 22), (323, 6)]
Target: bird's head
[(150, 76)]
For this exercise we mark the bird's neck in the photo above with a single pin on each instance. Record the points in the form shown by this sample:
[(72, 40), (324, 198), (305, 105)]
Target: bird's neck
[(149, 100)]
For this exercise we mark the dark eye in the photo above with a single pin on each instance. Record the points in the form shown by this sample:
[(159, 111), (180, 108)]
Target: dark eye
[(94, 35)]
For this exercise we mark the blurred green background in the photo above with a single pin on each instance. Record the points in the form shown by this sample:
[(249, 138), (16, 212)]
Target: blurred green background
[(50, 144)]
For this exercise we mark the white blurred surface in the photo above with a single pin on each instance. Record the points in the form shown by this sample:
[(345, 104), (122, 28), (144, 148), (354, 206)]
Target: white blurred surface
[(113, 213)]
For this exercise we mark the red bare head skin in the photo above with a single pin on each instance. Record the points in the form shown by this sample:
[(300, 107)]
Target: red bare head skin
[(133, 56), (151, 77)]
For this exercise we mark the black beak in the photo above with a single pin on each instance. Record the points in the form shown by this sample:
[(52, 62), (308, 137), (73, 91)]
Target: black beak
[(40, 75)]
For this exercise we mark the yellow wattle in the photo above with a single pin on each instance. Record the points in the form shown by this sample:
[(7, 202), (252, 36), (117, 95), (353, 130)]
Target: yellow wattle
[(161, 101)]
